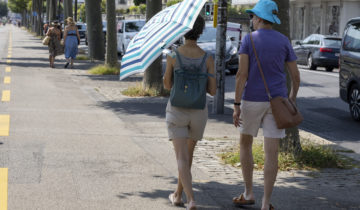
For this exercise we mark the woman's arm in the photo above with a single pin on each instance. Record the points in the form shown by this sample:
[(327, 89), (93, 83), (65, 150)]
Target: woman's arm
[(168, 73), (78, 35), (65, 34), (295, 79), (211, 87), (48, 33), (241, 78)]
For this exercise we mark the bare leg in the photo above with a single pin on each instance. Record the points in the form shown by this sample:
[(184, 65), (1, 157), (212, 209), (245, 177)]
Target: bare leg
[(247, 164), (271, 146), (183, 157), (191, 147), (50, 58), (72, 62)]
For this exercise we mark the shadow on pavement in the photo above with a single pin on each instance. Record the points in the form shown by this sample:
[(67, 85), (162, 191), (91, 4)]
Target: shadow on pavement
[(292, 192)]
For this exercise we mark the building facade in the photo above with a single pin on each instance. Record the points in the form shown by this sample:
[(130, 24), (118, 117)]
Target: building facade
[(316, 16)]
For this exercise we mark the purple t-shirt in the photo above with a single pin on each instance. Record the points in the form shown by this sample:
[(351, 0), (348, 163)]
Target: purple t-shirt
[(273, 50)]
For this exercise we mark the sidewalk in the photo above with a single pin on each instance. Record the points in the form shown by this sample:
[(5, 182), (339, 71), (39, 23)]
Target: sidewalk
[(132, 164)]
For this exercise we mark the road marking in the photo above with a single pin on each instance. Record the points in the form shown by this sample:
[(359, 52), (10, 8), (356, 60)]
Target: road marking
[(9, 55), (5, 95), (7, 80), (8, 61), (321, 73), (4, 125), (3, 188), (8, 69)]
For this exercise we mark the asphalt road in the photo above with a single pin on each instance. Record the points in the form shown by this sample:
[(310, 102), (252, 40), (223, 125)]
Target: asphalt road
[(325, 114)]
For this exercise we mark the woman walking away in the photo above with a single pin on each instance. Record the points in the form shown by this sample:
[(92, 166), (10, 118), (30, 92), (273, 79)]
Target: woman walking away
[(71, 41), (273, 50), (55, 47), (185, 120)]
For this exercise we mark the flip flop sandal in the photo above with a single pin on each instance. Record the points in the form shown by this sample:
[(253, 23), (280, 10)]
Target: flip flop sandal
[(241, 201), (271, 207), (191, 206), (172, 200)]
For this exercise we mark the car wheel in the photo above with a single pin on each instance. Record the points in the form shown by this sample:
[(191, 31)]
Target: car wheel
[(329, 69), (354, 102), (310, 63)]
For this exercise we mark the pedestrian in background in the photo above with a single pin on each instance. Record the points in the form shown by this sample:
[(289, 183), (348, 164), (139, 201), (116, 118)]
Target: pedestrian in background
[(71, 42), (274, 51), (55, 47), (46, 27), (185, 125)]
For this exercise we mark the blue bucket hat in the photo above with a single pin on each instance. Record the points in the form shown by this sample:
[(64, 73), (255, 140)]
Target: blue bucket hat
[(267, 10)]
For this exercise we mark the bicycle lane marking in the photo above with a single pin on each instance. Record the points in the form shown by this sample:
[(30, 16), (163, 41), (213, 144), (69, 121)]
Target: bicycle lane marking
[(3, 188)]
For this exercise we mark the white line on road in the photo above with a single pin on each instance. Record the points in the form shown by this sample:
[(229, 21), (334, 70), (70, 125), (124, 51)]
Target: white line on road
[(322, 73)]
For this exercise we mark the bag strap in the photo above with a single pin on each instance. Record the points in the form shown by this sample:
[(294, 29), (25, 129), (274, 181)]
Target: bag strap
[(260, 69), (178, 58)]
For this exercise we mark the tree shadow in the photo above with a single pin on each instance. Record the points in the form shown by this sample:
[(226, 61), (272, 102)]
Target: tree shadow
[(303, 190)]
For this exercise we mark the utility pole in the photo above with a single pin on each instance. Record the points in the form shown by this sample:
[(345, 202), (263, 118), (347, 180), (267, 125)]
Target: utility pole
[(218, 106)]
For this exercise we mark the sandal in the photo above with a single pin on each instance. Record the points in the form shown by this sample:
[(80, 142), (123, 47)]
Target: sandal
[(173, 202), (241, 201), (191, 206), (271, 207)]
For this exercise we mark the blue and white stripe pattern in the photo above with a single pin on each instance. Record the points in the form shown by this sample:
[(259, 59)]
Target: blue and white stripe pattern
[(160, 32)]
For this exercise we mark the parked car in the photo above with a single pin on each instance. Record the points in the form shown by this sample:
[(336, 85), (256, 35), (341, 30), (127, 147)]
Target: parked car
[(126, 30), (207, 41), (319, 50), (349, 75), (82, 29), (104, 24)]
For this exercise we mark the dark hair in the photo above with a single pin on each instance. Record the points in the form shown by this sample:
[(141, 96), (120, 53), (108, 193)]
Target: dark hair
[(197, 30), (266, 22)]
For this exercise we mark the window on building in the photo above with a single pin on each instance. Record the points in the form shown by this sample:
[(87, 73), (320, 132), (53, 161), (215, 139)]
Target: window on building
[(122, 1)]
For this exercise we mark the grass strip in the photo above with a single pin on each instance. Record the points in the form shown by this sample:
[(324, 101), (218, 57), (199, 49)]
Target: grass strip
[(313, 157), (104, 70), (139, 91)]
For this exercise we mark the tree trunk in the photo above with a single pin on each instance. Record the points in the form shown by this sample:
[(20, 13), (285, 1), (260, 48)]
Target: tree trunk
[(33, 17), (291, 143), (76, 8), (68, 10), (39, 9), (47, 10), (95, 34), (111, 38), (153, 75), (52, 10)]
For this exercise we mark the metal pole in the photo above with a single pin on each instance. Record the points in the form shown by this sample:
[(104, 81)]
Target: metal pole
[(218, 106)]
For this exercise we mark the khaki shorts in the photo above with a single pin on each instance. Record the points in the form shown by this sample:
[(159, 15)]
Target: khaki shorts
[(185, 123), (256, 114)]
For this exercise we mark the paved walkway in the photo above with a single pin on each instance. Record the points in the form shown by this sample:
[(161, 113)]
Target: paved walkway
[(97, 149)]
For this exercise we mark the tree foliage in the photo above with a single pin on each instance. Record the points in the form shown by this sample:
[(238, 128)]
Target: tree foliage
[(139, 2), (18, 6), (172, 2), (3, 9)]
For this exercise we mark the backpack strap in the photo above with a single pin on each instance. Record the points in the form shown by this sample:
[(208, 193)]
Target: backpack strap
[(203, 60), (203, 63), (178, 58)]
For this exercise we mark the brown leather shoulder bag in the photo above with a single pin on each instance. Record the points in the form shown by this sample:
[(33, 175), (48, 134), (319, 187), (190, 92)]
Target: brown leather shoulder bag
[(285, 112)]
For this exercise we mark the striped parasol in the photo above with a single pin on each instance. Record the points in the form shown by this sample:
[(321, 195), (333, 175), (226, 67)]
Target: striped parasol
[(160, 32)]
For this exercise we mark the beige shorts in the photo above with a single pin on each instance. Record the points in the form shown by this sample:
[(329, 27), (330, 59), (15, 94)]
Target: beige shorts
[(257, 114), (185, 123)]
